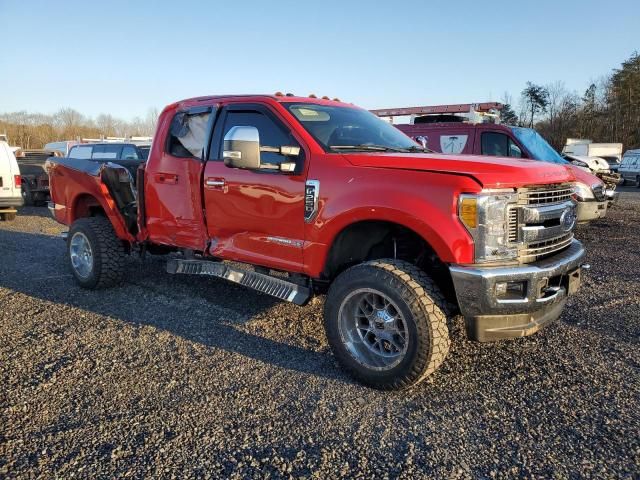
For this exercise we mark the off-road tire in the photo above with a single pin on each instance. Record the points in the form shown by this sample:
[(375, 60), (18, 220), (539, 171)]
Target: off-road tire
[(108, 253), (423, 307), (7, 217)]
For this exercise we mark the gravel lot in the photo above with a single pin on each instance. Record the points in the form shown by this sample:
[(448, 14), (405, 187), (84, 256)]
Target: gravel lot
[(191, 377)]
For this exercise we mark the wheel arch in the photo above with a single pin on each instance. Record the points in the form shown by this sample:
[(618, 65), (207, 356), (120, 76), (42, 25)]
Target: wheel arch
[(373, 239), (86, 205)]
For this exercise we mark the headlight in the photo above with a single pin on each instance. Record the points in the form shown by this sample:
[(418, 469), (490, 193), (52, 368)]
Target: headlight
[(599, 191), (582, 192), (485, 215)]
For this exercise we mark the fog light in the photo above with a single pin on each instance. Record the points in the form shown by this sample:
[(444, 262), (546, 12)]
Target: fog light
[(511, 290)]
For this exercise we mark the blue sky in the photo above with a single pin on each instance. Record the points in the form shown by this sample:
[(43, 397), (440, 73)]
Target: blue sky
[(126, 57)]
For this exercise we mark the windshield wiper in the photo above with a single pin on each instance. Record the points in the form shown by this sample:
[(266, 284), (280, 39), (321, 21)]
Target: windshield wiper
[(416, 148), (377, 148)]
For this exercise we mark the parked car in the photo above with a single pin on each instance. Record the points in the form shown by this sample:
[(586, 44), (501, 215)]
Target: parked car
[(610, 152), (472, 129), (10, 181), (630, 167), (35, 180), (321, 196)]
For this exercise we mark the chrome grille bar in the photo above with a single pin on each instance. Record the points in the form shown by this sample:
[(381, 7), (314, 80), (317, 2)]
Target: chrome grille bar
[(544, 195), (535, 251), (534, 223)]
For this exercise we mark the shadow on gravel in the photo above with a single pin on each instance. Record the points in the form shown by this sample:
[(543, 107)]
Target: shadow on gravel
[(40, 211), (198, 309)]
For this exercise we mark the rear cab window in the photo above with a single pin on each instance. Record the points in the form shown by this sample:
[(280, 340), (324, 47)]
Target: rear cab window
[(106, 152), (129, 152), (81, 152)]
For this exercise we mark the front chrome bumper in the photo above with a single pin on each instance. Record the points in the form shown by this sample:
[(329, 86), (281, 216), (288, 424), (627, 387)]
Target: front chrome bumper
[(592, 210), (548, 283)]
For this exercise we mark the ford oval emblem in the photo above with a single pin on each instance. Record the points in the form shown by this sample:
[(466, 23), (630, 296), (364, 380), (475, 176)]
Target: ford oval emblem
[(568, 219)]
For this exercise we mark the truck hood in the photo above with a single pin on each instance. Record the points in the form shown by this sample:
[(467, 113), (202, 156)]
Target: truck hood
[(490, 172)]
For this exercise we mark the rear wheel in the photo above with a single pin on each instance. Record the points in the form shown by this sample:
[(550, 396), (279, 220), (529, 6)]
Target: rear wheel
[(96, 255), (27, 195), (386, 325)]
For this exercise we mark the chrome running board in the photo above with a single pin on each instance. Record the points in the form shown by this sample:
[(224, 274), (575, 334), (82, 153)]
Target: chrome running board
[(276, 287)]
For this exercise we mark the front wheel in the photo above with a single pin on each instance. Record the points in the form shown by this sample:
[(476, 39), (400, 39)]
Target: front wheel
[(385, 323), (96, 255)]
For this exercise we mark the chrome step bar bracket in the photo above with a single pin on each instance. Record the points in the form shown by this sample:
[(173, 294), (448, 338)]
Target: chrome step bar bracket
[(276, 287)]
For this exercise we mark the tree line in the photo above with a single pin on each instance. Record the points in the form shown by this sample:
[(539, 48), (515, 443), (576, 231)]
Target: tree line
[(34, 130), (608, 111)]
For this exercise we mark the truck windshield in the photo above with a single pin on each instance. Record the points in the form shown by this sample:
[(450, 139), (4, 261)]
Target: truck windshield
[(350, 129), (537, 146)]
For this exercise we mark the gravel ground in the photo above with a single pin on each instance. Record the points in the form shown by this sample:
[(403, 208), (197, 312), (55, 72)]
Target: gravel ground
[(191, 377)]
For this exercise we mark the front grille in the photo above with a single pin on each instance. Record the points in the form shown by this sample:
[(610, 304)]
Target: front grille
[(533, 201), (538, 250), (545, 195)]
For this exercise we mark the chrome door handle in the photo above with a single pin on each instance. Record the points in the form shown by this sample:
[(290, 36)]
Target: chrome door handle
[(214, 183)]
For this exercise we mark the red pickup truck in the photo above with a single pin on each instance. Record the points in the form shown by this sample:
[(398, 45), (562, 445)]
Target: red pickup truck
[(307, 195)]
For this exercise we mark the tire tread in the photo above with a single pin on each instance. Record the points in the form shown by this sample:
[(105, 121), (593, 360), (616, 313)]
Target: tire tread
[(421, 295), (110, 255)]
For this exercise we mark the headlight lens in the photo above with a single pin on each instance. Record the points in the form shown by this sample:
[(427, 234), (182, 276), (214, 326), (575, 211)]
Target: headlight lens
[(485, 216), (582, 192)]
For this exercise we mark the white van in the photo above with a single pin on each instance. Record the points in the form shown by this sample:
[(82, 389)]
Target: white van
[(630, 167), (10, 191)]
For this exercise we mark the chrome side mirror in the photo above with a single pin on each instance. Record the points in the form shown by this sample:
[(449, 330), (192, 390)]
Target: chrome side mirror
[(242, 148)]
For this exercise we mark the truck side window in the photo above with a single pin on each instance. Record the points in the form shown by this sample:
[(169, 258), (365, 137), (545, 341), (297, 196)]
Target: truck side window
[(187, 134), (499, 145), (271, 133), (495, 144)]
